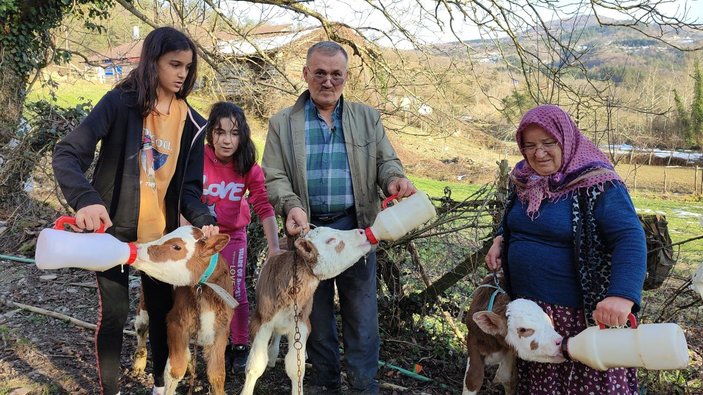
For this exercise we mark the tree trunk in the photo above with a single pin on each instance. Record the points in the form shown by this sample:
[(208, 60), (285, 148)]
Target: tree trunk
[(12, 95)]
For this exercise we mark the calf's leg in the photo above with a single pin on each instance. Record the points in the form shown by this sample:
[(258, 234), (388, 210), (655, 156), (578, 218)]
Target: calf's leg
[(258, 357), (295, 358), (141, 326), (473, 379), (179, 321), (274, 348), (215, 359), (506, 373)]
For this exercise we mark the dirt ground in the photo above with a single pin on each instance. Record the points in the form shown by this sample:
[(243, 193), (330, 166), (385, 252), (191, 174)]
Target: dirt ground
[(44, 355)]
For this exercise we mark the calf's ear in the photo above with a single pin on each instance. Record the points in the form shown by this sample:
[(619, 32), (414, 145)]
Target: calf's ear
[(197, 233), (214, 244), (491, 323), (306, 249)]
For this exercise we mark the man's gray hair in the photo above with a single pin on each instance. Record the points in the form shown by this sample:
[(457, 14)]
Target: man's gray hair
[(329, 48)]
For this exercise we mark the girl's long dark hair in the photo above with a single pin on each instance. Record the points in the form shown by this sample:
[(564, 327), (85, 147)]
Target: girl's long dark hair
[(144, 79), (245, 155)]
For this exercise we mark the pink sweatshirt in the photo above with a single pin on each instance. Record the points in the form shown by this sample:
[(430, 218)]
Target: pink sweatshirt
[(224, 189)]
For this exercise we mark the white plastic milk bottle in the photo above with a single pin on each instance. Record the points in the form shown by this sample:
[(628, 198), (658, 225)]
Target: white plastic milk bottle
[(650, 346), (396, 221), (57, 248)]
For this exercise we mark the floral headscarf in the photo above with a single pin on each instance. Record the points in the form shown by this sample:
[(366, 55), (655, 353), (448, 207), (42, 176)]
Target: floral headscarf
[(583, 164)]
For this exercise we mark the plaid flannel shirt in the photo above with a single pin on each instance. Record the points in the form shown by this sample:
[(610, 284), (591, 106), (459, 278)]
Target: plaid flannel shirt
[(329, 177)]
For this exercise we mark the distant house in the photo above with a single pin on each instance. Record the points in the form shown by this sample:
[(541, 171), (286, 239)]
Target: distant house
[(408, 105), (263, 39), (118, 61)]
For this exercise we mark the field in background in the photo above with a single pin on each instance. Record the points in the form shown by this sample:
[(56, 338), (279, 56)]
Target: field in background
[(664, 179), (457, 159), (74, 91)]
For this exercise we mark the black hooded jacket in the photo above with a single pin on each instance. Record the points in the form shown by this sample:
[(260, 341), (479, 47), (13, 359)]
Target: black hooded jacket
[(116, 124)]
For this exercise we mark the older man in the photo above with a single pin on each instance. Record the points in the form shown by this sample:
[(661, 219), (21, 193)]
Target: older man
[(324, 160)]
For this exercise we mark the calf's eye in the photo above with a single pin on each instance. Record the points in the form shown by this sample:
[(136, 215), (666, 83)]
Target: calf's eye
[(525, 332), (176, 247), (330, 240)]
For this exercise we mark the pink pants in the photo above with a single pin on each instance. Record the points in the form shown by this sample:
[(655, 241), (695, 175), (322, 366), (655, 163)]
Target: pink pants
[(235, 253)]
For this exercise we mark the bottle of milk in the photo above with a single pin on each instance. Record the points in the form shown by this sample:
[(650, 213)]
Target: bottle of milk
[(650, 346), (58, 248), (396, 221)]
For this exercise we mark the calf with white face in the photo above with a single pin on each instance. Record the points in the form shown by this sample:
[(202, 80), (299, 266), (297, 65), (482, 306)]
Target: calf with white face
[(202, 302), (285, 290), (178, 258), (519, 327)]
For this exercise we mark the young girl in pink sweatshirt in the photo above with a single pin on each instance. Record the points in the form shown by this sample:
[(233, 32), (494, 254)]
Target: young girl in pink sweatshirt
[(231, 171)]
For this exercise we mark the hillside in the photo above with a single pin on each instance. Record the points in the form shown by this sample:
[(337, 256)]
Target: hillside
[(600, 48)]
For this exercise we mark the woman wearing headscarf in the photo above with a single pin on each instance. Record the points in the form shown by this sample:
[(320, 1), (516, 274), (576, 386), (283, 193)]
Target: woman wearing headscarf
[(571, 241)]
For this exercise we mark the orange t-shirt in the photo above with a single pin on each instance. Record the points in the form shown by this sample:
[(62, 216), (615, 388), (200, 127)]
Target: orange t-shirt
[(161, 139)]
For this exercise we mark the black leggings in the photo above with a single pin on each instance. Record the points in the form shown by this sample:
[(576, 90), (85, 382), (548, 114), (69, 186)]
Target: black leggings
[(113, 294)]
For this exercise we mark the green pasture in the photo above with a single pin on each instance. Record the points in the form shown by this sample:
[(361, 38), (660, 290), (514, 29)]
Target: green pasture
[(70, 93), (684, 215), (434, 188)]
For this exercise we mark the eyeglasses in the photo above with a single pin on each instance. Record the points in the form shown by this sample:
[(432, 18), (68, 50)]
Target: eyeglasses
[(530, 149), (336, 78)]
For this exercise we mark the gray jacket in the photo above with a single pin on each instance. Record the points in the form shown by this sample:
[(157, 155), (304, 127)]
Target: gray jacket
[(372, 160)]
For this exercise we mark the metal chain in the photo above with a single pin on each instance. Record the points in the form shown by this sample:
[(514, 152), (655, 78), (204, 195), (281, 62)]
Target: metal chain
[(297, 344)]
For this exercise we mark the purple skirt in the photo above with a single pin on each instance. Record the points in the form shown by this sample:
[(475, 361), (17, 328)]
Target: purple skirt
[(570, 377)]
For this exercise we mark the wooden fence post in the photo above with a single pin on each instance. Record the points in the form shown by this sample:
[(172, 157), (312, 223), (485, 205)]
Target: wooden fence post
[(635, 173), (665, 179), (695, 179)]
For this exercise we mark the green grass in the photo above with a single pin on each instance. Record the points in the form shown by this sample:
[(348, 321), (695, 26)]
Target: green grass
[(69, 94), (682, 222), (435, 189)]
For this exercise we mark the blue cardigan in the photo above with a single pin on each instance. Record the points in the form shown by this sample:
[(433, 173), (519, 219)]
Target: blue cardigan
[(578, 251)]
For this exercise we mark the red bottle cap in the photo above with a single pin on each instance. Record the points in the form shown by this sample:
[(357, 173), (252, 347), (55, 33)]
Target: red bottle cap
[(132, 253), (370, 236)]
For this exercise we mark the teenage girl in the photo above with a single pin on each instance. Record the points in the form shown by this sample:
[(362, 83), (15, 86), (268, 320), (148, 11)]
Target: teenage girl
[(231, 171), (149, 170)]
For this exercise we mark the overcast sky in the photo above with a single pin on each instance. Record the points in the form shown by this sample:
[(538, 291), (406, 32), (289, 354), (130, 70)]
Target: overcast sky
[(412, 17)]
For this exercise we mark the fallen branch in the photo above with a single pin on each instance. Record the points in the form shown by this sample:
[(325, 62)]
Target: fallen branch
[(54, 314), (85, 285), (384, 385), (394, 387), (677, 243)]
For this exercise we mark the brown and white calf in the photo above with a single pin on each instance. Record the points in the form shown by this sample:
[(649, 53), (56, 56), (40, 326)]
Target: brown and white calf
[(200, 311), (322, 254), (519, 327)]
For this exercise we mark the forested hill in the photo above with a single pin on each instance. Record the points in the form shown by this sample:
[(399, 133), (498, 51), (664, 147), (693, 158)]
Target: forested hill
[(606, 51)]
